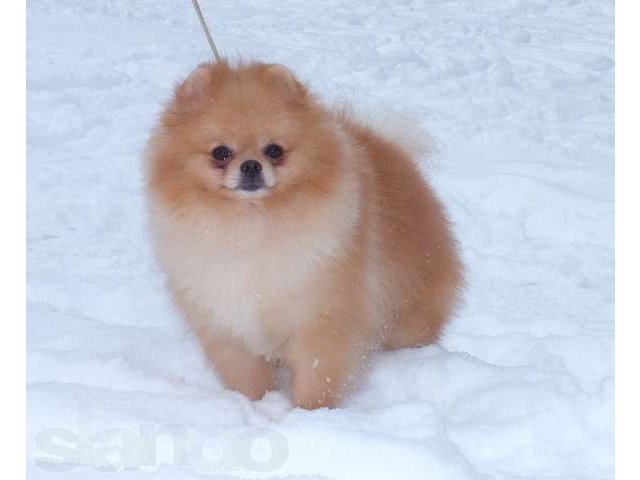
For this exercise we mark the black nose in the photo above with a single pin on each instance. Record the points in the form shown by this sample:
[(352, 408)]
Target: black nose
[(251, 168)]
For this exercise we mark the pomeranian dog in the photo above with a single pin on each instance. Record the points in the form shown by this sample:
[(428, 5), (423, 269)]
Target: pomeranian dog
[(292, 234)]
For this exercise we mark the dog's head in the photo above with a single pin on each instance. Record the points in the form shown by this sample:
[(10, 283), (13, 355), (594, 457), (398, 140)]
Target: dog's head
[(250, 133)]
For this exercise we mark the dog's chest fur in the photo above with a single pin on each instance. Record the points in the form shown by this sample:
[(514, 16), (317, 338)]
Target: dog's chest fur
[(252, 279)]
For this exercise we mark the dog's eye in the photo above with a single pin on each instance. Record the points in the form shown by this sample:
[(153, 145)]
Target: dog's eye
[(273, 151), (222, 153)]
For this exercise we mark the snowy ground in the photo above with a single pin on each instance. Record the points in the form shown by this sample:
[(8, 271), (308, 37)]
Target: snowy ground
[(519, 94)]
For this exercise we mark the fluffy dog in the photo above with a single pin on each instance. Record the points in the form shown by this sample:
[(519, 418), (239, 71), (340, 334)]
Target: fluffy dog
[(292, 234)]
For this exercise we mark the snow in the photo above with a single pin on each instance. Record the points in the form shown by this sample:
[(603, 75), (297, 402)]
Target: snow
[(519, 96)]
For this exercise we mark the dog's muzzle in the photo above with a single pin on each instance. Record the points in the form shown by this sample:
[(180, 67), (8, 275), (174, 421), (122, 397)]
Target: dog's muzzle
[(251, 177)]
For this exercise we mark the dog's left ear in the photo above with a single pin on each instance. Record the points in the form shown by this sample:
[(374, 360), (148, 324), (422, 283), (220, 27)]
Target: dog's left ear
[(283, 77)]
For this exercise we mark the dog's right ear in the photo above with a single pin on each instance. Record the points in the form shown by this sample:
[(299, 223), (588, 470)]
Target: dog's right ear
[(196, 84)]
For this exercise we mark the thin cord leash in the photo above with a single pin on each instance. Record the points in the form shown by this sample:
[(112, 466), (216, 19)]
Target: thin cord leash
[(207, 33)]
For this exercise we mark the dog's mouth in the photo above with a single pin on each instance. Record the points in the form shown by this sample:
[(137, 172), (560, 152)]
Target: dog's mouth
[(251, 184), (250, 189)]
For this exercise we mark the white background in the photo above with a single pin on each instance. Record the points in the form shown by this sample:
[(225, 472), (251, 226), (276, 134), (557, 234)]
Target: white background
[(519, 95)]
